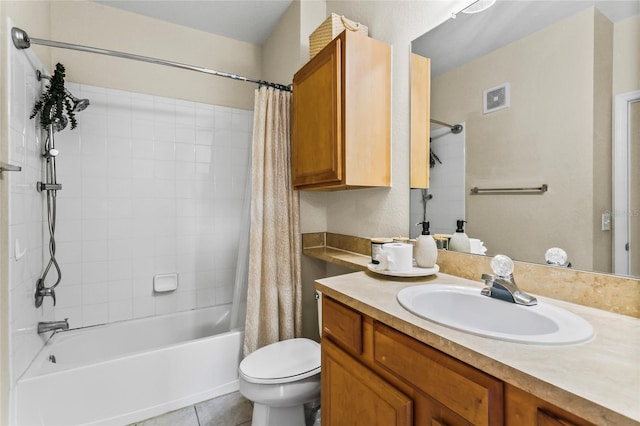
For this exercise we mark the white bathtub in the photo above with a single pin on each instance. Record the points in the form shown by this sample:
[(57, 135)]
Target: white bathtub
[(124, 372)]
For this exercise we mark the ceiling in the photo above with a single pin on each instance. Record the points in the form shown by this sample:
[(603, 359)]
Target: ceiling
[(247, 20), (501, 24)]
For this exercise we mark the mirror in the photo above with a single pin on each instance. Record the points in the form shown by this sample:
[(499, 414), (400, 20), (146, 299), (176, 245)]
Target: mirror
[(532, 83)]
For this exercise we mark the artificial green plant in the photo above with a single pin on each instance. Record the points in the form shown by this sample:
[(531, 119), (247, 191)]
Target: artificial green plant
[(55, 102)]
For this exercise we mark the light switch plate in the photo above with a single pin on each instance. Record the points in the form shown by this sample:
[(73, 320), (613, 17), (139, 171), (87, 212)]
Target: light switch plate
[(497, 98)]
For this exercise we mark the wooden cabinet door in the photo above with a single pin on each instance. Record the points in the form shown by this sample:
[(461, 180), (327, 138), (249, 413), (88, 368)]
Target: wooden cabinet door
[(471, 394), (353, 395), (420, 124), (342, 325), (427, 411), (317, 149), (341, 118), (548, 419), (522, 408)]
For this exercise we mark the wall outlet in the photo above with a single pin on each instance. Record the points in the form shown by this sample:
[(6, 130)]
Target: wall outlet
[(606, 221)]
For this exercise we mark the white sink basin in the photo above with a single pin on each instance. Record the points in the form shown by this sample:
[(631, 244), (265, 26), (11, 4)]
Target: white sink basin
[(465, 309)]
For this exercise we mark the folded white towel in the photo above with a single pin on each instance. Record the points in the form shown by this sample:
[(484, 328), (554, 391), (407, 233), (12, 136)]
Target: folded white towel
[(477, 246)]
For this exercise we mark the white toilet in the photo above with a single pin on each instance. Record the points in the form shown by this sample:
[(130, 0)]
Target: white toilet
[(280, 378)]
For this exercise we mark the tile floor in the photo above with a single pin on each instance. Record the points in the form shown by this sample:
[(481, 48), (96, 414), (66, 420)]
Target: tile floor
[(227, 410)]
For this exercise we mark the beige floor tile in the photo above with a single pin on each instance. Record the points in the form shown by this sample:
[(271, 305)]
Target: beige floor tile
[(228, 410), (182, 417)]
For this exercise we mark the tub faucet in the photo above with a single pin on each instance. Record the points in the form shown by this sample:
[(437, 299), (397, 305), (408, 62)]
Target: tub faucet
[(46, 326), (502, 285)]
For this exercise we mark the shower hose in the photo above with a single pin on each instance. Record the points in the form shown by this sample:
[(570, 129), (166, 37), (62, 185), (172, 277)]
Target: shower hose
[(51, 187)]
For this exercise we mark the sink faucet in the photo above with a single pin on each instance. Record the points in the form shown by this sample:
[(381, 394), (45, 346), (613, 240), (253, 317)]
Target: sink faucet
[(502, 285), (46, 326)]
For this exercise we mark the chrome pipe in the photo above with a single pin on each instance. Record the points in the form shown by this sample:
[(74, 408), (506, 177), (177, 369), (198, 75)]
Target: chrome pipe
[(455, 128), (46, 326), (542, 188), (21, 40)]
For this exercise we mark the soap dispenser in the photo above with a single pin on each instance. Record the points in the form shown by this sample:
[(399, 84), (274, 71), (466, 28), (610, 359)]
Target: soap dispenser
[(426, 253), (460, 240)]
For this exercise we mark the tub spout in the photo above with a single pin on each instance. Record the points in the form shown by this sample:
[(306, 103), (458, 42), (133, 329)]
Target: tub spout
[(46, 326)]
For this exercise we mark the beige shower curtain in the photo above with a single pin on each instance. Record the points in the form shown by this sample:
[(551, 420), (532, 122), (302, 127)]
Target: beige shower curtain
[(274, 288)]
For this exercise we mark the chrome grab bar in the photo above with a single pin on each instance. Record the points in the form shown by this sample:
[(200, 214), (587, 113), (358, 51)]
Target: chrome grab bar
[(543, 188)]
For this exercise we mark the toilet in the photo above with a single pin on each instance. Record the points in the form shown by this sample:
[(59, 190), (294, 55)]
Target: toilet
[(280, 378)]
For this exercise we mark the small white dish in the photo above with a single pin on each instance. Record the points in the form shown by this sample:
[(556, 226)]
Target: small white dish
[(413, 272)]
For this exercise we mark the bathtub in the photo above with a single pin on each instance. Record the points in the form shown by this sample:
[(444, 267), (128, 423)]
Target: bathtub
[(120, 373)]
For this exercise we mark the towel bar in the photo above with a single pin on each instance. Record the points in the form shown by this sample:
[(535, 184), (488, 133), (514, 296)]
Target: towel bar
[(5, 167), (476, 190)]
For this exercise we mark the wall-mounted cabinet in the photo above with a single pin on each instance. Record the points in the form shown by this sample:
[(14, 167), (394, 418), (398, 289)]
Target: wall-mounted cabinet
[(341, 116), (420, 124)]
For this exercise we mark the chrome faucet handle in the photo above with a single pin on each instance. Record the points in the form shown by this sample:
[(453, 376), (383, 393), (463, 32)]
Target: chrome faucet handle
[(42, 291), (502, 266), (502, 285)]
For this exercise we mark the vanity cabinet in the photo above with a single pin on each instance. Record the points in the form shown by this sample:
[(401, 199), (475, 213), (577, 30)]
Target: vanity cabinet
[(387, 378), (354, 395), (341, 115), (373, 374), (526, 409)]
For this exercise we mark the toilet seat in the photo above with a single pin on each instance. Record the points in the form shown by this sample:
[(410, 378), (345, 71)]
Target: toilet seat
[(282, 362)]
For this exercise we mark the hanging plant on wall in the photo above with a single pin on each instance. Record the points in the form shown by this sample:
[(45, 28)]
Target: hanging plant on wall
[(56, 103)]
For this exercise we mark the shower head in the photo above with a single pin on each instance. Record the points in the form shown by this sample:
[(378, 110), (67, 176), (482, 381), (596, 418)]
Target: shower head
[(78, 104), (82, 104)]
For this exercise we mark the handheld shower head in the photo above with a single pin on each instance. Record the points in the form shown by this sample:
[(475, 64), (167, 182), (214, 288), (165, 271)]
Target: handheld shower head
[(59, 124)]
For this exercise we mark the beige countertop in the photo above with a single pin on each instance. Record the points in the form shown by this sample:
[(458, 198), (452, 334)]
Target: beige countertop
[(598, 380)]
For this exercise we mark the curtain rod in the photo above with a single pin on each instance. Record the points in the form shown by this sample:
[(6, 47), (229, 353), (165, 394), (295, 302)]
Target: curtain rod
[(21, 40), (455, 128)]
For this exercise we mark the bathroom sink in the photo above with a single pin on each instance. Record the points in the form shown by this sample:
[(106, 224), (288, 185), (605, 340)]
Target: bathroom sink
[(465, 309)]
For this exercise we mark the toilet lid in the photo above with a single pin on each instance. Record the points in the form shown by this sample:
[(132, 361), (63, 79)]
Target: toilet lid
[(284, 361)]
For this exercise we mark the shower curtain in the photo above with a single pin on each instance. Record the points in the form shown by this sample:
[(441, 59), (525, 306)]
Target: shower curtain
[(274, 287)]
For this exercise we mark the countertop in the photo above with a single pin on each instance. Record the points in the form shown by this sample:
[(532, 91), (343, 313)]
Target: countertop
[(598, 380)]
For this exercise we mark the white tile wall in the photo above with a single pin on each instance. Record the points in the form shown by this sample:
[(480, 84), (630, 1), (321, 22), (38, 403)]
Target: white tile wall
[(446, 184), (150, 185), (26, 225), (156, 186)]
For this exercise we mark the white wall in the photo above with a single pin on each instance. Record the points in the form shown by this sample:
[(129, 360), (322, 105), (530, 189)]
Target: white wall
[(24, 13), (151, 185), (88, 23), (26, 215), (626, 55)]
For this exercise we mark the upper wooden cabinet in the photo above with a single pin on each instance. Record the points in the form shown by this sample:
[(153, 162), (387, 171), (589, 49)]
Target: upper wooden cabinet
[(420, 124), (341, 116)]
